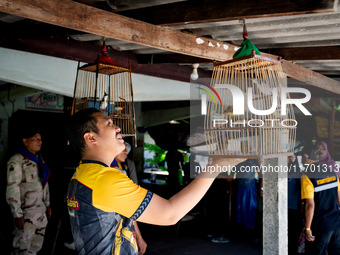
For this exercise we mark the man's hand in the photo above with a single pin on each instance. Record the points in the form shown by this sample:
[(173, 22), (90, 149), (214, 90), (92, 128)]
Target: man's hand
[(49, 211), (309, 213), (141, 246), (19, 222), (140, 241), (221, 161), (309, 236), (219, 165)]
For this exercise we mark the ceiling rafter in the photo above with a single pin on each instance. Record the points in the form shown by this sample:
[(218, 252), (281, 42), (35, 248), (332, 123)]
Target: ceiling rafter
[(308, 53), (70, 14), (73, 15), (294, 54), (221, 10), (280, 34), (264, 24)]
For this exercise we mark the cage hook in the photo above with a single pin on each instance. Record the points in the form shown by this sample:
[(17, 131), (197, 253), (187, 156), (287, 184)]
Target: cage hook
[(245, 32)]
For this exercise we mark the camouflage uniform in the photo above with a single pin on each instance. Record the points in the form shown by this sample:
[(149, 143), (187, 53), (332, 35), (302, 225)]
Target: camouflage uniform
[(27, 198)]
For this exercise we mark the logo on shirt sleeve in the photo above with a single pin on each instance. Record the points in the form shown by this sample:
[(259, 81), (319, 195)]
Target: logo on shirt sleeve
[(72, 203)]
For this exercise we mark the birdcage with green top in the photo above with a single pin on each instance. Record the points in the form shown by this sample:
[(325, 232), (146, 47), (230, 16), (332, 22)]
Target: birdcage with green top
[(248, 122)]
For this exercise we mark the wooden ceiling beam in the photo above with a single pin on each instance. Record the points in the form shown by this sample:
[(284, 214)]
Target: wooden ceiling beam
[(289, 39), (293, 54), (308, 76), (169, 59), (303, 44), (122, 5), (307, 53), (259, 25), (284, 35), (73, 15), (70, 14), (221, 10)]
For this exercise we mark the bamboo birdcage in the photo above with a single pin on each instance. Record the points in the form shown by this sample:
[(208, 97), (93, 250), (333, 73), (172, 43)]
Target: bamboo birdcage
[(243, 135), (108, 88)]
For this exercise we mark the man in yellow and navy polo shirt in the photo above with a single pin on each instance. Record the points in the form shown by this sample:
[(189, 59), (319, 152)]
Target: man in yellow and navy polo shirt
[(103, 202), (320, 190)]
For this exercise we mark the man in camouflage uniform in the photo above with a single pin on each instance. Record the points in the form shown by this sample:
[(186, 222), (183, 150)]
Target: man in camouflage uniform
[(28, 195)]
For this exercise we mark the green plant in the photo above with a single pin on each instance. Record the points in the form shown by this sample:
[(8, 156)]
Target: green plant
[(159, 154)]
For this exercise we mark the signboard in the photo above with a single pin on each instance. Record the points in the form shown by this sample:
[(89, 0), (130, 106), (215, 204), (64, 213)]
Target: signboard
[(45, 101)]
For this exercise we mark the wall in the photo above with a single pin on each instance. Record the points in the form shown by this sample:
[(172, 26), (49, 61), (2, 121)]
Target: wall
[(58, 75)]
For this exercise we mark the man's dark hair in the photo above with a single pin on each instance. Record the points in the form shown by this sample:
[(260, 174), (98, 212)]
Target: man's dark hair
[(80, 123), (29, 132)]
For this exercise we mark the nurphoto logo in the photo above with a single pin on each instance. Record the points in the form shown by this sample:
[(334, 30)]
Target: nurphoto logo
[(239, 98)]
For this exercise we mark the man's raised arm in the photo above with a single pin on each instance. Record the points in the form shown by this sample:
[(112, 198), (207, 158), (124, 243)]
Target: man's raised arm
[(161, 211)]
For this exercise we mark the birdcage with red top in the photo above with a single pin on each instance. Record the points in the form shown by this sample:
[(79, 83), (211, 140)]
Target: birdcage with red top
[(108, 87)]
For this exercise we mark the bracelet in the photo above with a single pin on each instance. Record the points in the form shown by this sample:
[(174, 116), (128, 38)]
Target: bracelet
[(307, 229)]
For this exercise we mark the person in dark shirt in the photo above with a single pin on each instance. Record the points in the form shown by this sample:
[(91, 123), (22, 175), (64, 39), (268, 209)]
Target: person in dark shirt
[(321, 190)]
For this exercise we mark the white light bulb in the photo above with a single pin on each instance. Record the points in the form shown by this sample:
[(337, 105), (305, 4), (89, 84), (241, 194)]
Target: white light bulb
[(194, 74)]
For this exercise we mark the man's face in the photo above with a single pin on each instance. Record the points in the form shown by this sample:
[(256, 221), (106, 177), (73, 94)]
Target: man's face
[(109, 136), (33, 144), (122, 156)]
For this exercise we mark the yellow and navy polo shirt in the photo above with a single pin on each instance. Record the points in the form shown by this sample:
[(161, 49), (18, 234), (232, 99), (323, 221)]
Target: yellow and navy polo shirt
[(324, 191), (102, 204)]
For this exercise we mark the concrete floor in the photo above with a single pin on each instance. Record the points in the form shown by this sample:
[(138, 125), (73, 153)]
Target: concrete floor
[(185, 244), (189, 240)]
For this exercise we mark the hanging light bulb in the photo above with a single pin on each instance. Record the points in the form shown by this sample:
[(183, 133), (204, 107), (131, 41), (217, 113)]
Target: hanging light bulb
[(194, 74)]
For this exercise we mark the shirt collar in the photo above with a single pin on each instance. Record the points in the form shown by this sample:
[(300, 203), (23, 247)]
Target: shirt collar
[(86, 161)]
